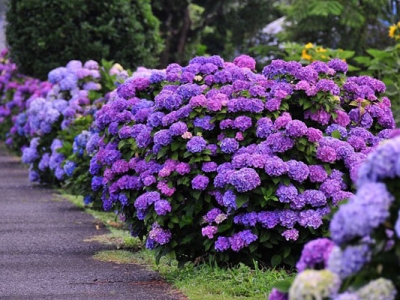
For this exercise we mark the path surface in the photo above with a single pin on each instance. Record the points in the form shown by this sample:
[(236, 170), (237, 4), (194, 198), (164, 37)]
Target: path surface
[(43, 255)]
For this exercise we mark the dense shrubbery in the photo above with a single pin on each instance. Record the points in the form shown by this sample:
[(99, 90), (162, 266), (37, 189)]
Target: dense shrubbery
[(362, 260), (213, 159), (43, 35)]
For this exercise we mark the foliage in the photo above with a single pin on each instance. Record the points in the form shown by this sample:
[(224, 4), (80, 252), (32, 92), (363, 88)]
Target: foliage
[(211, 27), (214, 160), (60, 31), (309, 52), (385, 65), (364, 252), (353, 25)]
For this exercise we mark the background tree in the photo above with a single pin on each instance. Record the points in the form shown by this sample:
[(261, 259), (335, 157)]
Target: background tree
[(222, 27), (46, 34), (347, 24)]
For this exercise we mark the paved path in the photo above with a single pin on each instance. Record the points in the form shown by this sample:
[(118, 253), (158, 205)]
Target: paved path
[(43, 255)]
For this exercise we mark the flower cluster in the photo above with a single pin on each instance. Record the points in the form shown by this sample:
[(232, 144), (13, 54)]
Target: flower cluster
[(273, 152), (365, 235)]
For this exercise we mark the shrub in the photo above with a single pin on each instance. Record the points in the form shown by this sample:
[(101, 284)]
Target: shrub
[(215, 160), (60, 31), (363, 255), (77, 91)]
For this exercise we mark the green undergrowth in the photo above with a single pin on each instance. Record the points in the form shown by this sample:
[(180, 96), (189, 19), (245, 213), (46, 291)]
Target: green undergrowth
[(197, 281)]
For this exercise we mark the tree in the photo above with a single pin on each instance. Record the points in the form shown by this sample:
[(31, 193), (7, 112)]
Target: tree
[(347, 24), (222, 27), (46, 34)]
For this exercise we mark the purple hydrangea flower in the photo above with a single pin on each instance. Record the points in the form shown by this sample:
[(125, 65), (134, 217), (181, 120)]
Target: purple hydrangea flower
[(200, 182), (196, 144), (162, 207), (242, 123), (291, 234), (298, 170), (315, 254), (245, 179), (229, 145), (296, 128), (286, 194), (222, 244)]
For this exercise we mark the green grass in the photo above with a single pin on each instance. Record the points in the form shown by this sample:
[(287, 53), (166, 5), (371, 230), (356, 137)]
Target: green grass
[(197, 282)]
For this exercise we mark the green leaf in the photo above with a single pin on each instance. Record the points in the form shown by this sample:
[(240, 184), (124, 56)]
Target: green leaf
[(265, 235), (162, 152), (284, 285), (196, 195), (175, 145), (175, 155), (336, 134), (286, 251), (253, 247), (276, 260), (241, 200)]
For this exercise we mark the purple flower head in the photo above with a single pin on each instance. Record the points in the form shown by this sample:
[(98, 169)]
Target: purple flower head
[(348, 261), (178, 128), (273, 104), (314, 135), (242, 123), (196, 144), (282, 120), (248, 219), (209, 231), (204, 122), (162, 137), (286, 194), (310, 218), (320, 116), (245, 179), (188, 90), (326, 154), (159, 235), (275, 166), (364, 212), (338, 65), (222, 244), (209, 167), (212, 215), (328, 85), (315, 254), (200, 182), (314, 198), (245, 61), (279, 143), (336, 129), (291, 234), (268, 219), (296, 128), (298, 170), (317, 173), (162, 207), (165, 189), (229, 200), (264, 127), (229, 145)]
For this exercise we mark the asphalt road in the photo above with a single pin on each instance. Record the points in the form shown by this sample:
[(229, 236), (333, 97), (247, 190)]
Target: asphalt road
[(43, 255)]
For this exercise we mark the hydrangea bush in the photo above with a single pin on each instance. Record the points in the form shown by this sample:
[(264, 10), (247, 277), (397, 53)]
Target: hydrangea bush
[(213, 159), (77, 91), (364, 250)]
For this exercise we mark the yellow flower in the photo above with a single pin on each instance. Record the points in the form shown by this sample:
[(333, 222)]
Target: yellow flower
[(305, 55), (308, 46), (392, 30), (321, 49)]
